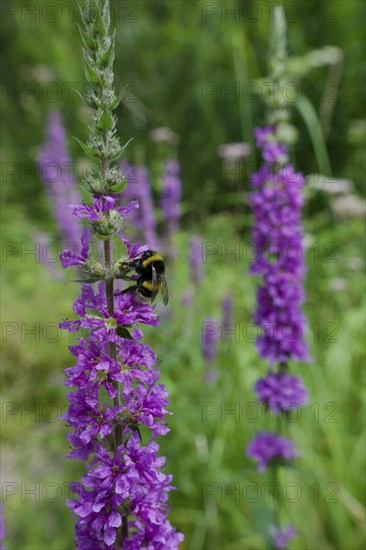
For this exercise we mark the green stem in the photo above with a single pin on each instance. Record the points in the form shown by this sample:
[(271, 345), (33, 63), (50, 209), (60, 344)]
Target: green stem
[(276, 495), (276, 481), (111, 345), (112, 350), (98, 51)]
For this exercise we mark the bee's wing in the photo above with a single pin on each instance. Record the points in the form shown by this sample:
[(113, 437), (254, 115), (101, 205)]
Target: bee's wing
[(155, 280), (164, 290)]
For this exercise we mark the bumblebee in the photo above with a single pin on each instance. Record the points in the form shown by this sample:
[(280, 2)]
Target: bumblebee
[(150, 270)]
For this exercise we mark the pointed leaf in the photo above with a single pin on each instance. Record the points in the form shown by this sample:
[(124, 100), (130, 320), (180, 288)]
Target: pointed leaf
[(116, 102), (88, 150), (120, 151), (86, 281), (106, 122), (79, 94), (92, 312), (88, 189), (87, 57), (87, 40), (82, 14), (93, 10), (118, 187), (91, 74), (99, 26), (108, 56), (90, 101), (122, 332)]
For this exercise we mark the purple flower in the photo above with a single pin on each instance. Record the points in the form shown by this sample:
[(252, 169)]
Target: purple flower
[(267, 448), (69, 258), (263, 135), (93, 420), (281, 391), (273, 151), (282, 323), (99, 517), (281, 538), (161, 537), (102, 206), (171, 195), (92, 308), (195, 259), (56, 172), (131, 477)]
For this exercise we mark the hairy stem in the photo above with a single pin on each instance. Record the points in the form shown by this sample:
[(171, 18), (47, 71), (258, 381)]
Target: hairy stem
[(123, 532)]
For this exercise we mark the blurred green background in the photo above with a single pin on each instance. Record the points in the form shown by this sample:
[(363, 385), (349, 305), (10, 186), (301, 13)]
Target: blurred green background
[(169, 53)]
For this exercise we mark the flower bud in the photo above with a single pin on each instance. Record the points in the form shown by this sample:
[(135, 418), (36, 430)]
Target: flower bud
[(107, 226), (94, 270)]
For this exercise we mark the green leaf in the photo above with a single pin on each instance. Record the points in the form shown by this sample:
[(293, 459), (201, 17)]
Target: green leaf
[(116, 102), (79, 94), (88, 150), (108, 56), (90, 102), (120, 151), (105, 122), (87, 40), (91, 74), (82, 15), (99, 26), (92, 312), (118, 188), (126, 145), (122, 332), (88, 189), (87, 57), (92, 9), (86, 281)]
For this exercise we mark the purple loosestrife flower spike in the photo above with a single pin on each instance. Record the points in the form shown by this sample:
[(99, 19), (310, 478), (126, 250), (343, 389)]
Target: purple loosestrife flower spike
[(171, 196), (227, 310), (195, 259), (121, 502), (139, 187), (210, 338), (277, 236), (55, 165)]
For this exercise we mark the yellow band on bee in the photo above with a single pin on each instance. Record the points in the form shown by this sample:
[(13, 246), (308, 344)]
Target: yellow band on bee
[(153, 258), (149, 286)]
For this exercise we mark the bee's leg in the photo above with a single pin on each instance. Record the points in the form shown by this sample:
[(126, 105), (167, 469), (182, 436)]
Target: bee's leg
[(127, 278), (129, 289)]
